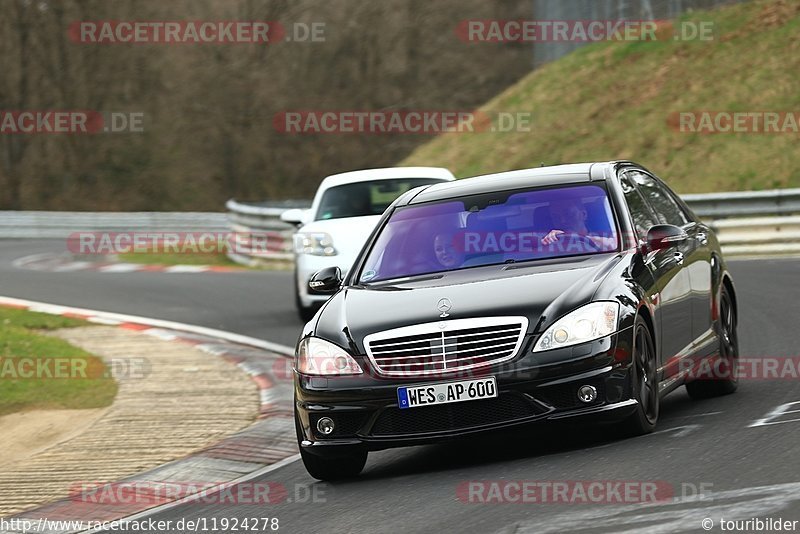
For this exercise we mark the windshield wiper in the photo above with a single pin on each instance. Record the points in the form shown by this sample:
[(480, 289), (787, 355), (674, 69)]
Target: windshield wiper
[(416, 278)]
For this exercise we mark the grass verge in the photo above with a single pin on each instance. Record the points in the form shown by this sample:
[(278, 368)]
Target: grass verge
[(38, 371)]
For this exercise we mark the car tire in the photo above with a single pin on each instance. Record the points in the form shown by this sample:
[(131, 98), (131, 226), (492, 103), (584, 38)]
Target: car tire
[(644, 383), (345, 462), (728, 352), (305, 313)]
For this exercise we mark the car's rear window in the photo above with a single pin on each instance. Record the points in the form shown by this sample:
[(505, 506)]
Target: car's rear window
[(492, 229), (365, 198)]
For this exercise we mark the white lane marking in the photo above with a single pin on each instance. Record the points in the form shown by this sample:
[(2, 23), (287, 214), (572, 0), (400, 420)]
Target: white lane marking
[(268, 396), (52, 309), (158, 323), (778, 411), (120, 268), (186, 269), (250, 369), (60, 262), (682, 431), (72, 266), (704, 414), (205, 493), (691, 416), (100, 320), (679, 515), (160, 334), (32, 261), (214, 350)]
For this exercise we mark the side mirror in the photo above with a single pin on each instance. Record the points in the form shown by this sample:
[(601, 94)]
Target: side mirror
[(294, 216), (326, 281), (663, 236)]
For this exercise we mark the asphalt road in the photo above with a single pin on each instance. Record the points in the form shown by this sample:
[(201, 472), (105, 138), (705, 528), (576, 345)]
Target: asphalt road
[(253, 303), (744, 471)]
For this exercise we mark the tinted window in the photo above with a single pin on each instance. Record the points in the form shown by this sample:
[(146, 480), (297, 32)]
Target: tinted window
[(490, 229), (365, 198), (660, 199), (641, 214)]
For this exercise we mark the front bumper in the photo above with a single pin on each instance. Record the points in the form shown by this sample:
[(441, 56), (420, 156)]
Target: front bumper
[(531, 388)]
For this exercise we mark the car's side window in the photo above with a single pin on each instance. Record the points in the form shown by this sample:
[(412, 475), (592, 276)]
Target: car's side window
[(660, 199), (643, 217), (687, 213)]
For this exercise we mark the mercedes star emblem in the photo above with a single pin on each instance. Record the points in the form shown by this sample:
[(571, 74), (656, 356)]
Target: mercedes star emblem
[(444, 306)]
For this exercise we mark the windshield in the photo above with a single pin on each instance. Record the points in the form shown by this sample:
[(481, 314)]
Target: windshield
[(365, 198), (492, 229)]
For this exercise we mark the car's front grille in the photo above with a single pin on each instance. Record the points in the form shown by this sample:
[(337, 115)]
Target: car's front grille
[(446, 346), (456, 416)]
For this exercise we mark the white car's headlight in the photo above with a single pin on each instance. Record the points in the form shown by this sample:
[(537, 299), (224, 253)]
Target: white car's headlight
[(316, 244), (316, 356), (587, 323)]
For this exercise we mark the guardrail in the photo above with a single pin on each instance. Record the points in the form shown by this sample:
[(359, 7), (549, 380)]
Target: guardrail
[(248, 218), (745, 203), (752, 223), (61, 224), (759, 236)]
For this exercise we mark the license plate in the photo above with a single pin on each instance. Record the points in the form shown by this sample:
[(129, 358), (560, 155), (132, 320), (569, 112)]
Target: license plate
[(446, 392)]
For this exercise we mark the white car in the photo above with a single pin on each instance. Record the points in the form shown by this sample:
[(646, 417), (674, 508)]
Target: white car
[(345, 210)]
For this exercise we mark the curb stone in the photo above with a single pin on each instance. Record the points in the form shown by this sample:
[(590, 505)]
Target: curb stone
[(65, 263)]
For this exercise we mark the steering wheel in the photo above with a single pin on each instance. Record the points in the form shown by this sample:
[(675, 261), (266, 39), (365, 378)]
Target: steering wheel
[(582, 238)]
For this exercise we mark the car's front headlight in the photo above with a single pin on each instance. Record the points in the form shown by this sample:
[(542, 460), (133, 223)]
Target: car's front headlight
[(316, 244), (316, 356), (587, 323)]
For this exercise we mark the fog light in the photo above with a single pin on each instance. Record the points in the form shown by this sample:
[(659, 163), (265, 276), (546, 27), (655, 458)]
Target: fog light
[(587, 394), (325, 425)]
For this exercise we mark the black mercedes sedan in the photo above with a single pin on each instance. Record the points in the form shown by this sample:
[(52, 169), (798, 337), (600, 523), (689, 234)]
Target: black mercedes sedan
[(584, 292)]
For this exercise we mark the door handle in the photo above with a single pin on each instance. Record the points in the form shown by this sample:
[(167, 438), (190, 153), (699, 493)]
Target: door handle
[(678, 258)]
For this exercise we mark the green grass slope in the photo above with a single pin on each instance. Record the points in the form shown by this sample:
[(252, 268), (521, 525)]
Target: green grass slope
[(24, 380), (613, 100)]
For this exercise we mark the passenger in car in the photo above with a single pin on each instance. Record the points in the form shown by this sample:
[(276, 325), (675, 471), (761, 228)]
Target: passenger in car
[(447, 253), (569, 216)]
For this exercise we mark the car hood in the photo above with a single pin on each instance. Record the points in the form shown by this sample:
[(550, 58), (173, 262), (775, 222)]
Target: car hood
[(541, 293)]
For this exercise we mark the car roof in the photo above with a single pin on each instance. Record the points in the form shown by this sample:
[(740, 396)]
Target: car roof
[(504, 181), (388, 173)]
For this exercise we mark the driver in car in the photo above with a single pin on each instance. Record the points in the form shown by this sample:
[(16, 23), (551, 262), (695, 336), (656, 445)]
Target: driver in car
[(569, 217)]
